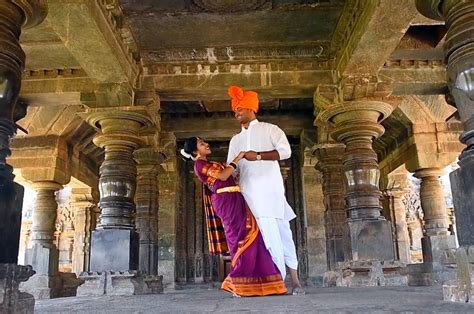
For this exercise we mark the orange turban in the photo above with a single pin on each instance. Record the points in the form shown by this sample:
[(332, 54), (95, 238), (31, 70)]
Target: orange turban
[(243, 99)]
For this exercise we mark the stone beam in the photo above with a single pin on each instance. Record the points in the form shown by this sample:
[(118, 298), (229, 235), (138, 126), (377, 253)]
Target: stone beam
[(381, 36), (210, 81), (206, 126), (419, 77), (95, 36)]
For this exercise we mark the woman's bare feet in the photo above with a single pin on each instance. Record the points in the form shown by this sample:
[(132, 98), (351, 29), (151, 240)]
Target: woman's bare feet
[(298, 291), (235, 295)]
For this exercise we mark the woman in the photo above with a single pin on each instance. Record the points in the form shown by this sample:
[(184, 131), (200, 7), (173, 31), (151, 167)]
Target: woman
[(253, 271)]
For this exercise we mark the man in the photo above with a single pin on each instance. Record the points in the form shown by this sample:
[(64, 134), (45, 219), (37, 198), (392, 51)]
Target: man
[(261, 181)]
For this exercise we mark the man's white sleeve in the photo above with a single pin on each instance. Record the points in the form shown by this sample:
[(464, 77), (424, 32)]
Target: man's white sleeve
[(232, 150), (280, 142)]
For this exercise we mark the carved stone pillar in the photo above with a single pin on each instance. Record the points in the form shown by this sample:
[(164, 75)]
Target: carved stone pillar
[(115, 241), (330, 164), (395, 197), (432, 202), (459, 56), (356, 124), (82, 203), (44, 255), (147, 202), (437, 238), (13, 16)]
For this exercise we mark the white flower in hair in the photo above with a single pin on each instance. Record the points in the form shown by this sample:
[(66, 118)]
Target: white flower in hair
[(186, 155)]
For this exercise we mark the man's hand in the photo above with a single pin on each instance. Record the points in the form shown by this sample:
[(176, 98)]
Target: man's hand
[(250, 155)]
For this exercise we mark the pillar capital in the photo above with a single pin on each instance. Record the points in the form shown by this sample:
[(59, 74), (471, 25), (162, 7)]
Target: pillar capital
[(329, 156), (356, 118), (35, 11), (148, 157)]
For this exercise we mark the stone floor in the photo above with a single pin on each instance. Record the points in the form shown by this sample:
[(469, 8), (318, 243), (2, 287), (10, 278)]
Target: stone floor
[(328, 300)]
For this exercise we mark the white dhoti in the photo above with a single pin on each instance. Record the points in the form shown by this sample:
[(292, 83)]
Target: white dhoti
[(278, 239)]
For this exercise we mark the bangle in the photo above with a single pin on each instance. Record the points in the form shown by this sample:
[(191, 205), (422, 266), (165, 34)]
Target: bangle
[(233, 165)]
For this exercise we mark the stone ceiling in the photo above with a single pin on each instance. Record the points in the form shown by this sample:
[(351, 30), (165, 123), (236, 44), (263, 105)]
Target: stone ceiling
[(187, 52)]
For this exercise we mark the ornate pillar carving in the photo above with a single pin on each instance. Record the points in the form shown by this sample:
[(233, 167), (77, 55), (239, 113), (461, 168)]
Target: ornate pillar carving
[(395, 196), (356, 124), (115, 241), (13, 16), (330, 164), (83, 204), (147, 202)]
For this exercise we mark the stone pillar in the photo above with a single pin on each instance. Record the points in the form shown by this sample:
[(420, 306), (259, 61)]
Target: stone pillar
[(13, 16), (356, 124), (401, 234), (44, 255), (459, 56), (82, 204), (437, 237), (115, 241), (147, 202), (330, 164)]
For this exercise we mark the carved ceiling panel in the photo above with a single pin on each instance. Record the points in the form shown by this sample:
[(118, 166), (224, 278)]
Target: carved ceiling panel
[(231, 6)]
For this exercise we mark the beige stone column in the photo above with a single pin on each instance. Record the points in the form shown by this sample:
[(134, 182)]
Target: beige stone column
[(356, 124), (433, 202), (335, 222), (147, 202), (83, 203), (401, 234)]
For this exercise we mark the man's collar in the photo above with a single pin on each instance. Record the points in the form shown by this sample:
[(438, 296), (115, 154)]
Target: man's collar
[(250, 124)]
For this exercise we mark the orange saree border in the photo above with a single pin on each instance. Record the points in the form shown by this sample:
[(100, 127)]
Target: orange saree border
[(261, 286)]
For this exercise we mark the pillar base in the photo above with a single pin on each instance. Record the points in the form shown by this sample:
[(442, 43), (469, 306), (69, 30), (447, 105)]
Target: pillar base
[(366, 274), (462, 187), (370, 240), (114, 250), (12, 300), (119, 283), (461, 289)]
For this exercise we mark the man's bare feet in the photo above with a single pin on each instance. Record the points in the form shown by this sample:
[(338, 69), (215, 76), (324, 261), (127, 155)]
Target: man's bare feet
[(298, 291)]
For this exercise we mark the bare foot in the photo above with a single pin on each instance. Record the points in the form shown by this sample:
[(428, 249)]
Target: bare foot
[(298, 291), (235, 295)]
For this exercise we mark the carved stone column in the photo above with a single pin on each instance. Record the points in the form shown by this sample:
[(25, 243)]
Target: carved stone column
[(437, 238), (395, 197), (356, 124), (13, 16), (44, 255), (330, 164), (432, 201), (82, 203), (147, 202), (459, 56), (115, 241)]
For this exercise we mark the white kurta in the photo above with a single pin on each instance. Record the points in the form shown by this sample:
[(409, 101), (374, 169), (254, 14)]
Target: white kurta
[(261, 181), (261, 184)]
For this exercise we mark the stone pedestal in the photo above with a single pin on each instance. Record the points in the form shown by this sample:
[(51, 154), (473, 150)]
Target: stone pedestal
[(11, 299), (461, 289), (114, 249), (119, 283), (366, 274)]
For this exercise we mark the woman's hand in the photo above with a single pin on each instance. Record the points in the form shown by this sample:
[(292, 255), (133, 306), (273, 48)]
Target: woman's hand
[(239, 157)]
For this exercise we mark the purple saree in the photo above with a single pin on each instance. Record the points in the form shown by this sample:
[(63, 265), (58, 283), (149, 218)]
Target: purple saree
[(253, 271)]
